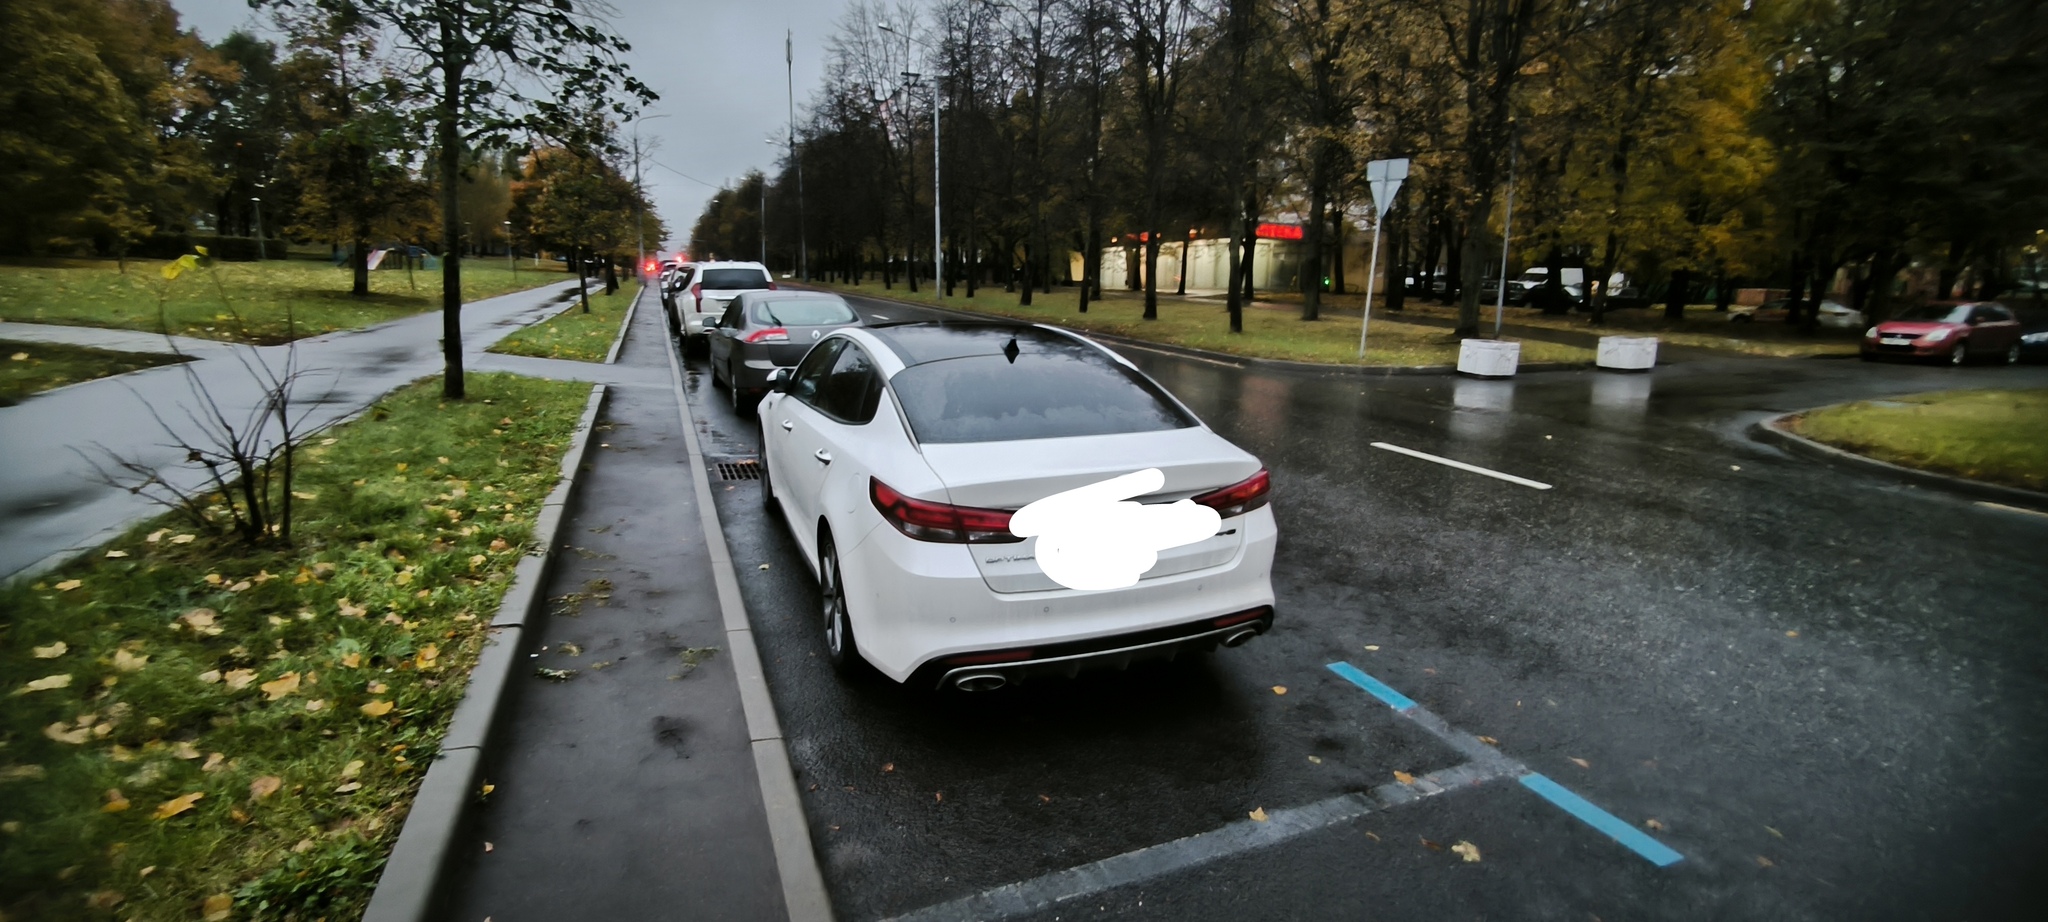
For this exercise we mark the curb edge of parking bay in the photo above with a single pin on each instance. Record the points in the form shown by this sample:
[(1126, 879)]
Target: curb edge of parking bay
[(1771, 431), (612, 357), (413, 881), (804, 897)]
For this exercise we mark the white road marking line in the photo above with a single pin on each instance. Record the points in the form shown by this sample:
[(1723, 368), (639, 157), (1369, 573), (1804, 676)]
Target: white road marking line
[(1460, 465), (2005, 508), (1152, 862), (1178, 355)]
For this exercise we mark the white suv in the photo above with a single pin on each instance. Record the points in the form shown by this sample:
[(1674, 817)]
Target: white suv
[(715, 284)]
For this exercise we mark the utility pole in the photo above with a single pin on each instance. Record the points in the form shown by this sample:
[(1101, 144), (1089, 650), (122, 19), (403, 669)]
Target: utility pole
[(938, 248), (803, 257), (1507, 233), (639, 225)]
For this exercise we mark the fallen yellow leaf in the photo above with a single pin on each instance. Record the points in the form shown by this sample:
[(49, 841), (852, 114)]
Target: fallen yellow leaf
[(265, 786), (1279, 689), (1490, 741), (176, 805), (401, 467), (317, 704), (116, 555), (183, 539), (46, 683), (155, 536), (1315, 760), (351, 660), (213, 762), (129, 662), (1653, 823), (242, 586), (1763, 862), (305, 496), (184, 749), (281, 686), (210, 676), (239, 679), (68, 585), (116, 802), (1467, 851), (1582, 763), (201, 621), (1258, 815), (1404, 777), (349, 788), (217, 907), (427, 657), (52, 651), (377, 708)]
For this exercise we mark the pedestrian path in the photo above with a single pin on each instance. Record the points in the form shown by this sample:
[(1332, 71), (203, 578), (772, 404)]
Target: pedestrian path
[(623, 780), (51, 505), (111, 340)]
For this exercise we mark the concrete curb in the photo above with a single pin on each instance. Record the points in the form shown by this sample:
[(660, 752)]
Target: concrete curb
[(411, 886), (612, 357), (1773, 432), (1226, 358), (796, 860)]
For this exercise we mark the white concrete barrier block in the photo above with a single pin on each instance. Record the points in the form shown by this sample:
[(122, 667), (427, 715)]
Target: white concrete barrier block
[(1627, 353), (1489, 357)]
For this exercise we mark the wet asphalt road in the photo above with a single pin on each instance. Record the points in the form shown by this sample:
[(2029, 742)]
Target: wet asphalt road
[(1824, 689)]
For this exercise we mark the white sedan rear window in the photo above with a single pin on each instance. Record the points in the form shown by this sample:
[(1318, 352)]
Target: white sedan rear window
[(1046, 393)]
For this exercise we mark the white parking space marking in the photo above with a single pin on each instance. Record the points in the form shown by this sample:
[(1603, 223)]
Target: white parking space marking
[(1177, 355), (1460, 465)]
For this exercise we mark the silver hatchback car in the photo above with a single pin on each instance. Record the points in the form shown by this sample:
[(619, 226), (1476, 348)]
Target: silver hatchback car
[(765, 330)]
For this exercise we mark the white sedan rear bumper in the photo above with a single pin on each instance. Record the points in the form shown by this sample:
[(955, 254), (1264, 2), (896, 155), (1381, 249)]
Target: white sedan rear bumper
[(912, 602)]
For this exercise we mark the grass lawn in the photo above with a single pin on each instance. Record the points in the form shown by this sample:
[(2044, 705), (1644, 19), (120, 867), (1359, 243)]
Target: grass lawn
[(1997, 436), (1703, 327), (193, 722), (1204, 325), (574, 334), (32, 368), (98, 294)]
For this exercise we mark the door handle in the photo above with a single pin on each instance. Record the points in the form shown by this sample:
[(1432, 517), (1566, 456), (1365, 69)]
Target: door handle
[(787, 425), (823, 455)]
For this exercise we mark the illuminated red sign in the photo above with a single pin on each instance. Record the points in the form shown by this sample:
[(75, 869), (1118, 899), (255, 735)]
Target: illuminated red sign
[(1278, 231)]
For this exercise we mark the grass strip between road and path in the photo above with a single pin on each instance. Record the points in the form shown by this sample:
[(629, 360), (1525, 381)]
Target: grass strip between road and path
[(238, 301), (194, 725), (573, 334), (1996, 436), (1206, 325), (32, 368), (1703, 327)]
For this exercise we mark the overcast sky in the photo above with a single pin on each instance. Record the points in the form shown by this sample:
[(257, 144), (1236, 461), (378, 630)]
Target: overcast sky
[(717, 65)]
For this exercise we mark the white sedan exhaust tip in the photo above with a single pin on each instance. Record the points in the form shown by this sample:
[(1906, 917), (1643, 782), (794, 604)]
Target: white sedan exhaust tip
[(979, 681)]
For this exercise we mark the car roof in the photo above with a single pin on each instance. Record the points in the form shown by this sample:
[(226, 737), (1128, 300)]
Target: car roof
[(731, 264)]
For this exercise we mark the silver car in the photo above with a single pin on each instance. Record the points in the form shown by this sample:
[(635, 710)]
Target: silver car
[(765, 330)]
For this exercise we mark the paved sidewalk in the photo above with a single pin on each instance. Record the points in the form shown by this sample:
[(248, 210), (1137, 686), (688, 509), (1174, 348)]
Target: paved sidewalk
[(627, 792), (50, 503), (111, 340)]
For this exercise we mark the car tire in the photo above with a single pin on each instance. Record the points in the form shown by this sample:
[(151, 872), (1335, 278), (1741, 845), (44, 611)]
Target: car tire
[(1959, 356), (767, 483), (2012, 354), (838, 628), (732, 390), (716, 381)]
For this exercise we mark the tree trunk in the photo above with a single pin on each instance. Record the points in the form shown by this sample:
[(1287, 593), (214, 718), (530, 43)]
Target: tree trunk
[(1675, 298), (611, 275), (1030, 270), (1312, 252), (1337, 224), (1877, 303), (582, 278), (1152, 274), (1233, 298), (1397, 264), (1473, 261), (1798, 289), (359, 264), (1724, 291), (451, 212)]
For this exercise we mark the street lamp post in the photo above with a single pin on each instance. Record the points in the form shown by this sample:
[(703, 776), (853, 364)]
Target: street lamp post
[(803, 257), (938, 250), (261, 252), (639, 226)]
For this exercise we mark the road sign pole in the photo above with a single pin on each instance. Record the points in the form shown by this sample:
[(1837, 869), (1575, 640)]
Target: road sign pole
[(1371, 275)]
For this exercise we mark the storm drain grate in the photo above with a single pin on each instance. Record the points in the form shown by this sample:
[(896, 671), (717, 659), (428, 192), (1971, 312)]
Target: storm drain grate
[(739, 470)]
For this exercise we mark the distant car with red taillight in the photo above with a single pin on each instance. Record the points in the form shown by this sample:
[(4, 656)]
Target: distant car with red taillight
[(765, 330), (1952, 333), (897, 454)]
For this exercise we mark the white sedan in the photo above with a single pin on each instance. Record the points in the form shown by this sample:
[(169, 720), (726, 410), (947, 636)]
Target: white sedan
[(897, 454)]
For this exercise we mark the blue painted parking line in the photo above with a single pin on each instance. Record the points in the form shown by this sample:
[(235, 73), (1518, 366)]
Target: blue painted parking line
[(1637, 841), (1379, 689)]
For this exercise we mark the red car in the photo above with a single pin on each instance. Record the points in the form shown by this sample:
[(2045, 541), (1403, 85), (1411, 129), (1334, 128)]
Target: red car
[(1954, 333)]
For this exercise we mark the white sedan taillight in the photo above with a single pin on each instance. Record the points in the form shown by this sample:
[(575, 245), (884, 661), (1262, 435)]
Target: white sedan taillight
[(1241, 497)]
